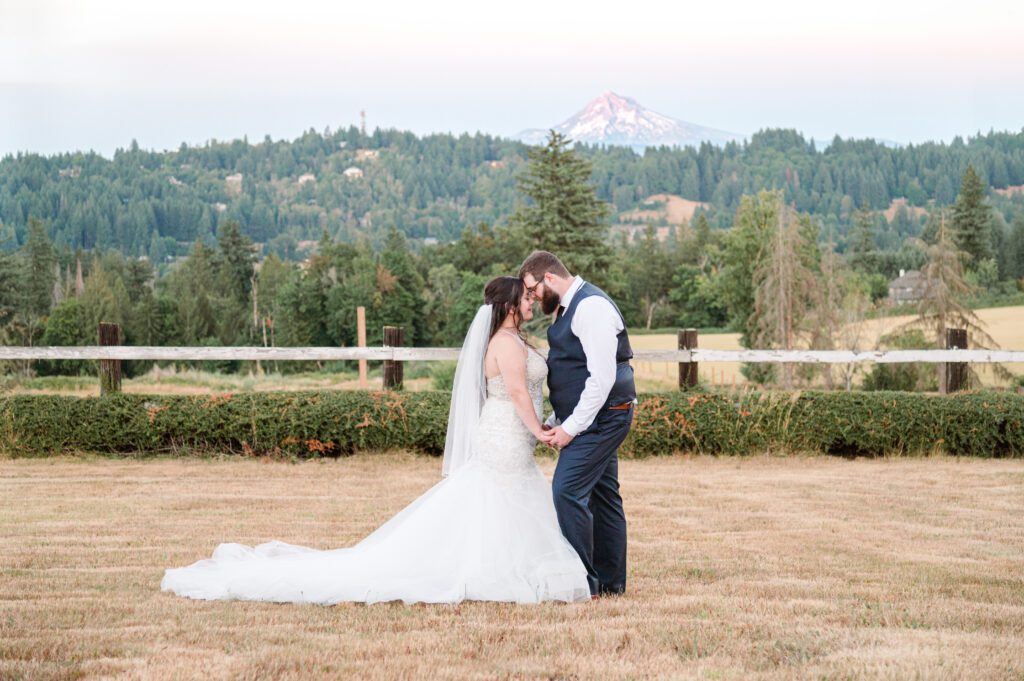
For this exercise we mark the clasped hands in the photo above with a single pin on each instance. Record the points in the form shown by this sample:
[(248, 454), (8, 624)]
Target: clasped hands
[(554, 437)]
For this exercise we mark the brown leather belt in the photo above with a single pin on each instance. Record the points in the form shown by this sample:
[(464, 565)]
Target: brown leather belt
[(622, 407)]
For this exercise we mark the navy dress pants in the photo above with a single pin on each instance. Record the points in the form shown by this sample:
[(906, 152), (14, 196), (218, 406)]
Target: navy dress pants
[(586, 495)]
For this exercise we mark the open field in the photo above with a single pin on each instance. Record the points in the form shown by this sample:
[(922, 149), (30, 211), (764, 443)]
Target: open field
[(739, 568), (1004, 324), (167, 381)]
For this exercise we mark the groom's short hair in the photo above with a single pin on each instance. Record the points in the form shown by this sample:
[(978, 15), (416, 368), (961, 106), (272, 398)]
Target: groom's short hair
[(540, 262)]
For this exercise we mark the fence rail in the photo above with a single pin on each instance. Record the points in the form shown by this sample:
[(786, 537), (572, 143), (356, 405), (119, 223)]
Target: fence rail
[(401, 354), (688, 355)]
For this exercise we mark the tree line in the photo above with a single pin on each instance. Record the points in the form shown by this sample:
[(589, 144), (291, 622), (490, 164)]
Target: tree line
[(774, 274), (360, 186)]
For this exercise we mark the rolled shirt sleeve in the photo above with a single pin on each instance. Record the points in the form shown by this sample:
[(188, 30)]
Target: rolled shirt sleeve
[(597, 324)]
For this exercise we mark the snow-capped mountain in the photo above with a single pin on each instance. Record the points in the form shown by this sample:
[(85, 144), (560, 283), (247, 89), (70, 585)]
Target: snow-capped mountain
[(614, 119)]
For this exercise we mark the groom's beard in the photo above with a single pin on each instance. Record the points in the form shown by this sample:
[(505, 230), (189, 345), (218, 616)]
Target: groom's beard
[(549, 301)]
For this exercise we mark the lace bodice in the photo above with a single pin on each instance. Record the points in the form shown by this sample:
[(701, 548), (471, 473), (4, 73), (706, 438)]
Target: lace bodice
[(501, 439), (536, 373)]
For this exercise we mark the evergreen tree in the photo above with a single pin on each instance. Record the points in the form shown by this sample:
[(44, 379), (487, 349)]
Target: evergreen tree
[(138, 278), (1015, 249), (39, 260), (105, 298), (399, 286), (702, 233), (273, 274), (972, 227), (235, 261), (746, 248), (862, 244), (68, 324), (564, 215), (190, 285), (482, 251), (9, 289), (357, 287), (440, 298), (152, 320), (302, 315), (649, 274)]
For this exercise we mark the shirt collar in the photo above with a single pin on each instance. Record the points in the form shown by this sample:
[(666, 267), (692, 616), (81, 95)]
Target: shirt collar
[(577, 282)]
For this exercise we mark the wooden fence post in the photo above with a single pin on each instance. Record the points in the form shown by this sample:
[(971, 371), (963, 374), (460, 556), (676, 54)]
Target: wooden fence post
[(361, 340), (394, 337), (110, 369), (687, 370), (956, 372)]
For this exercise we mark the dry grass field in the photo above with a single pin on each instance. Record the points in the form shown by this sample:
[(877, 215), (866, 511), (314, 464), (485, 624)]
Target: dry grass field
[(1004, 324), (740, 568), (168, 381)]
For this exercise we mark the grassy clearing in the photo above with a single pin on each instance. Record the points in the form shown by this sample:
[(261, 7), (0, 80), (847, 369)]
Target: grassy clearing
[(1002, 323), (170, 381), (739, 568)]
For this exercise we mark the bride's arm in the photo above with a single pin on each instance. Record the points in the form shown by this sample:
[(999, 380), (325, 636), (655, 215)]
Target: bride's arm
[(511, 360)]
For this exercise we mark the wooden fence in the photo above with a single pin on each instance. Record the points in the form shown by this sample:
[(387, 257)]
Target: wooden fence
[(687, 356)]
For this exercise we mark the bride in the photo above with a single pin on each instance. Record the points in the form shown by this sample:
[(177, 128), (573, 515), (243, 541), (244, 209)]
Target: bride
[(487, 531)]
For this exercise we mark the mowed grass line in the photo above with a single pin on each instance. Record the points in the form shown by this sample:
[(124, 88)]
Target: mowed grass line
[(757, 567)]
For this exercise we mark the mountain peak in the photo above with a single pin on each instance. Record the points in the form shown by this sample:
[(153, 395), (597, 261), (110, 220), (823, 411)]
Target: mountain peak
[(615, 119)]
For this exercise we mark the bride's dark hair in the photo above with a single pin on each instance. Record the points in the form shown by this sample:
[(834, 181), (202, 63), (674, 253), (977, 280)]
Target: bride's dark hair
[(505, 294)]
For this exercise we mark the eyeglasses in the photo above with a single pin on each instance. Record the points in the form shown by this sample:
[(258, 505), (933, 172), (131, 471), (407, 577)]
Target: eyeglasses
[(532, 290)]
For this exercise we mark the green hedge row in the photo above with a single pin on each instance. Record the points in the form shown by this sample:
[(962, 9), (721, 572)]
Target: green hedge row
[(338, 423)]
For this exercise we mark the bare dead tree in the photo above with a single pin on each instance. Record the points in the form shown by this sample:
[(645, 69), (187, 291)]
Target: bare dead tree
[(783, 290), (941, 308)]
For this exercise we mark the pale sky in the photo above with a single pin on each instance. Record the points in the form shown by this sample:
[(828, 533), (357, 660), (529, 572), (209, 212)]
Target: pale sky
[(93, 74)]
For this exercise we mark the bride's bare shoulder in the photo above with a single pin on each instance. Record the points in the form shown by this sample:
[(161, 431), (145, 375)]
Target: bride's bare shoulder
[(505, 344)]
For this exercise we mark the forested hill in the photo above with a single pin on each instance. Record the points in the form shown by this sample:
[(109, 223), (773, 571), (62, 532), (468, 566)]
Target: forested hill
[(353, 185)]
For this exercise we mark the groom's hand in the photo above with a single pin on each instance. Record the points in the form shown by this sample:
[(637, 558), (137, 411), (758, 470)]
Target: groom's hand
[(558, 438)]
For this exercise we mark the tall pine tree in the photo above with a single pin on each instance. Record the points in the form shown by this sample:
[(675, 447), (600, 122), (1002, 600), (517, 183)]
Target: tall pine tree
[(39, 261), (1015, 248), (972, 221), (564, 215), (862, 244), (746, 247), (399, 287)]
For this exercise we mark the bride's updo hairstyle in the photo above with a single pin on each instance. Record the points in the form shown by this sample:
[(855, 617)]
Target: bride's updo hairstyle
[(504, 293)]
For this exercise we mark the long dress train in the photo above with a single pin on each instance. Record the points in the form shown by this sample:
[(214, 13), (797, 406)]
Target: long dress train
[(486, 532)]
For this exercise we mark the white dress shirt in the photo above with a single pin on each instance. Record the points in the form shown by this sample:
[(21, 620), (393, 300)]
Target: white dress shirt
[(597, 324)]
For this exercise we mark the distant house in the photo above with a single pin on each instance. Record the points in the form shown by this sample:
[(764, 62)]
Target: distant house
[(909, 287), (353, 173), (366, 154), (233, 184), (306, 177)]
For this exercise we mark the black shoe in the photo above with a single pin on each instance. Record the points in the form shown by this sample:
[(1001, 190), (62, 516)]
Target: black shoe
[(611, 589)]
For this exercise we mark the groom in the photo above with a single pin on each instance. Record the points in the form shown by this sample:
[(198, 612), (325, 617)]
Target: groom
[(592, 392)]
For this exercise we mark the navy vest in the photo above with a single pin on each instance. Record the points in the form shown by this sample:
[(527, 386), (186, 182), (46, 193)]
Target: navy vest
[(567, 363)]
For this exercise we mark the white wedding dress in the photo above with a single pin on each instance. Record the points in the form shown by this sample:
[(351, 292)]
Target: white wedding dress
[(487, 532)]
